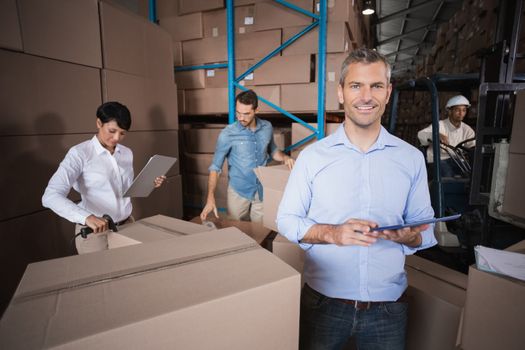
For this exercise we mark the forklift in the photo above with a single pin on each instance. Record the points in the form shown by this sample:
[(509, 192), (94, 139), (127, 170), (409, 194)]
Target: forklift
[(479, 193)]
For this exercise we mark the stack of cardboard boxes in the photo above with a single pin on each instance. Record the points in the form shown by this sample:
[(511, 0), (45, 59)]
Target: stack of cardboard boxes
[(166, 284), (288, 80), (58, 62)]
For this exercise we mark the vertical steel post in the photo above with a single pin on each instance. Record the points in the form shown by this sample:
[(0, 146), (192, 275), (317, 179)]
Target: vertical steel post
[(231, 60), (152, 11), (321, 73)]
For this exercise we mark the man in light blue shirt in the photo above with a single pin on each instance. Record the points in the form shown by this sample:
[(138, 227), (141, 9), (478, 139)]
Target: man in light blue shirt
[(247, 143), (339, 190)]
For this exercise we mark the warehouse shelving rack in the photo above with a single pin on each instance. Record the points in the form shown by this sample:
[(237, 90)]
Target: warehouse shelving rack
[(319, 20)]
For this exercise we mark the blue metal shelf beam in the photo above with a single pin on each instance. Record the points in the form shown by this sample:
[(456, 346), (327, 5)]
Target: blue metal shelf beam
[(233, 82)]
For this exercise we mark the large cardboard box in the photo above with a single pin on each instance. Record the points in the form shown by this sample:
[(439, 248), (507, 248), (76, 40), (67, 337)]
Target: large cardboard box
[(273, 179), (206, 101), (152, 102), (201, 140), (185, 27), (166, 293), (196, 190), (267, 41), (272, 15), (177, 53), (288, 252), (303, 97), (436, 296), (271, 93), (300, 132), (153, 228), (10, 36), (334, 62), (145, 144), (285, 70), (191, 79), (198, 163), (514, 189), (44, 96), (215, 21), (189, 6), (494, 310), (133, 45), (206, 50), (218, 78), (62, 29), (339, 10), (255, 230), (166, 200), (337, 39)]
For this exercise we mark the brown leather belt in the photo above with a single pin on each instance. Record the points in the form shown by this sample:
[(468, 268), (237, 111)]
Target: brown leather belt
[(365, 305)]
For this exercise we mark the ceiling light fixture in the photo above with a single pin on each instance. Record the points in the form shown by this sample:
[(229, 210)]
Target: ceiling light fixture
[(368, 9)]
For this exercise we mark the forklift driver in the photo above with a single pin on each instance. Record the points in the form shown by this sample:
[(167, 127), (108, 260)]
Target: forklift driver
[(452, 131)]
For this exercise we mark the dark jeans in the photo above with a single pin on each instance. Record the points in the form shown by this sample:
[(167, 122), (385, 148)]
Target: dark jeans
[(328, 323)]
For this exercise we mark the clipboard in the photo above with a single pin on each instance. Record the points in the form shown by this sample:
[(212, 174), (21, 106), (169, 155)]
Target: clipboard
[(144, 184), (417, 223)]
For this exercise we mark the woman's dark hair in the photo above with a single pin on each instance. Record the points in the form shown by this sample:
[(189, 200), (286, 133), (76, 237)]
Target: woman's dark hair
[(114, 111)]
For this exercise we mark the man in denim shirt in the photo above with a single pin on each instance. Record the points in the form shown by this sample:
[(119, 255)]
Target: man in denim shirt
[(247, 143)]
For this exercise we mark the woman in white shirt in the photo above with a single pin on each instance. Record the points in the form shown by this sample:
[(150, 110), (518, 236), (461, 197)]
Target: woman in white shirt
[(101, 170)]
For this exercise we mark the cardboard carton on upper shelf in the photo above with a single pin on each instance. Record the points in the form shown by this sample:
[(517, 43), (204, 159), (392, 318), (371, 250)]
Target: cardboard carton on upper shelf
[(285, 70), (186, 27), (215, 21), (272, 15), (337, 39)]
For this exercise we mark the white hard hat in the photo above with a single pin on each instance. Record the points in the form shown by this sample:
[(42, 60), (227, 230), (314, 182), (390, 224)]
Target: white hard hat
[(458, 100)]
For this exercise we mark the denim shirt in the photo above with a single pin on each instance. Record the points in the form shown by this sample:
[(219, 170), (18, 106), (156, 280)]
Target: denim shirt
[(245, 150)]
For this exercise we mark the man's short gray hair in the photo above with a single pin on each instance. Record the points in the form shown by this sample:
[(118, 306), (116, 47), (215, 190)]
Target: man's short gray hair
[(365, 56)]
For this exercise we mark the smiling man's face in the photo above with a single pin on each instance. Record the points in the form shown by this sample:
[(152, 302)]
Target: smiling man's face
[(365, 93)]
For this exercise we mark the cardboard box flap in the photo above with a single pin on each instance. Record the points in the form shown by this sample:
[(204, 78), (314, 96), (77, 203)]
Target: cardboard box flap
[(174, 226), (438, 271), (274, 177), (83, 270), (143, 233)]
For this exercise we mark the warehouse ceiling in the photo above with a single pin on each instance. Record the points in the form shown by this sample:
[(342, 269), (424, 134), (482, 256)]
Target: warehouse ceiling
[(406, 29)]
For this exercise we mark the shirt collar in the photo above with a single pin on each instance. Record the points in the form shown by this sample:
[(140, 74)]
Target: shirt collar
[(257, 125), (384, 139), (99, 148), (450, 125)]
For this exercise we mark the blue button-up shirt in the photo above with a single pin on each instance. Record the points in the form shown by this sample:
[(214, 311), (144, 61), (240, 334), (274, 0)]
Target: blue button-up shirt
[(334, 181), (245, 150)]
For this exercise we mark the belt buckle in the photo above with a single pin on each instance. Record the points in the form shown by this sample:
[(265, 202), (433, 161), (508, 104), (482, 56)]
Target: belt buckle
[(362, 305)]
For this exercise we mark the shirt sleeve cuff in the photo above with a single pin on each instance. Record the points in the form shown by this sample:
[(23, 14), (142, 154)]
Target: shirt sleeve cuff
[(427, 240), (215, 168), (304, 226)]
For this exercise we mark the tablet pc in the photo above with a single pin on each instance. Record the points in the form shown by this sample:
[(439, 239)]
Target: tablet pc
[(417, 223), (144, 183)]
